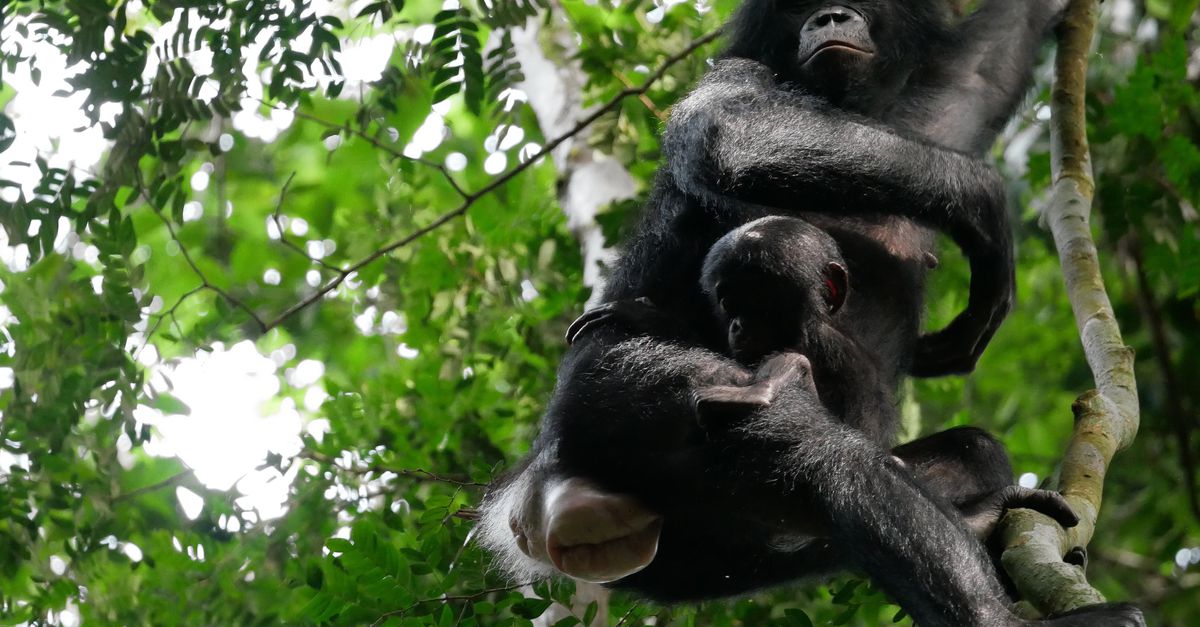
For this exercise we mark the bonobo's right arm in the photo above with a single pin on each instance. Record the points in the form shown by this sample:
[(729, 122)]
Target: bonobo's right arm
[(740, 136), (962, 99)]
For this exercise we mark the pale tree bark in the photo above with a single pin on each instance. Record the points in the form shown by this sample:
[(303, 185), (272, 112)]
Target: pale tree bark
[(588, 179), (1106, 418)]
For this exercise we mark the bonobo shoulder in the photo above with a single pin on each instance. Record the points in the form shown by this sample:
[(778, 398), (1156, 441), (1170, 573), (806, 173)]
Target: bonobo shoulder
[(729, 82), (738, 71)]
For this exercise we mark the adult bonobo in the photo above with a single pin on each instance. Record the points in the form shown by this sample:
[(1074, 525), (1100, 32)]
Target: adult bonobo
[(833, 110)]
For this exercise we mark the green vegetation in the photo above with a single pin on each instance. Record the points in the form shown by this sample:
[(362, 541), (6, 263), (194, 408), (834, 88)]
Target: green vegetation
[(318, 250)]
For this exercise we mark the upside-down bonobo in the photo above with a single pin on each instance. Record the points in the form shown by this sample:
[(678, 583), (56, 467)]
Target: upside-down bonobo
[(867, 119)]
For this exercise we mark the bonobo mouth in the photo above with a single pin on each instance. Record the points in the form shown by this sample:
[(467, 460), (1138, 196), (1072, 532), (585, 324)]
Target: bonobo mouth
[(837, 46), (593, 535)]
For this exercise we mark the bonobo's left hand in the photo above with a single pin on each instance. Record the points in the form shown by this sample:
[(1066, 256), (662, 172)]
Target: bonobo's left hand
[(983, 515), (638, 314), (719, 407)]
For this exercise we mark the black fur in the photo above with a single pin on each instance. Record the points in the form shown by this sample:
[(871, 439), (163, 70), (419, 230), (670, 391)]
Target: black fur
[(848, 144)]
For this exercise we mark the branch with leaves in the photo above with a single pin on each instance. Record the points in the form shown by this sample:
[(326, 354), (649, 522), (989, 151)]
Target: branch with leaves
[(1106, 418), (468, 198)]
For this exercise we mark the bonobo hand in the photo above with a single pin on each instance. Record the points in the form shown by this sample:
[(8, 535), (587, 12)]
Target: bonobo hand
[(987, 242), (957, 348), (720, 406), (639, 314), (983, 515)]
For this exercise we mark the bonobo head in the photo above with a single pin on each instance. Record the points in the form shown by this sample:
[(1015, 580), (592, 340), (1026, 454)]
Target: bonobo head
[(772, 281), (854, 53)]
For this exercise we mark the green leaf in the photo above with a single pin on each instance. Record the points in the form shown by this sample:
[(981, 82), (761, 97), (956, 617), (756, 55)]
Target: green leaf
[(170, 405), (530, 608)]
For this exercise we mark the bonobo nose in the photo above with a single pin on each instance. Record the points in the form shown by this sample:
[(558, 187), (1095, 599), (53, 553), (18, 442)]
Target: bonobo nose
[(834, 16)]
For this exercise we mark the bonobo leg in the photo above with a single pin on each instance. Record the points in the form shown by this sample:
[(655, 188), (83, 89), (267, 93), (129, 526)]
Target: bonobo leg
[(908, 541), (969, 468), (960, 464), (723, 556)]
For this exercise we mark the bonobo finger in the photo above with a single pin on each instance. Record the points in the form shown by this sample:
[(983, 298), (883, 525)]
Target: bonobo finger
[(785, 369), (588, 318), (1045, 502), (1077, 556), (719, 406), (632, 311)]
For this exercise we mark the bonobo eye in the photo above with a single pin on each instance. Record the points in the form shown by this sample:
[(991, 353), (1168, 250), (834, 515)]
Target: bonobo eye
[(837, 284)]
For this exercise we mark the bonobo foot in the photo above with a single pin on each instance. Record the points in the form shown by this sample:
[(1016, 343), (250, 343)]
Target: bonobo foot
[(718, 406), (638, 314), (983, 514), (1100, 615), (1077, 556)]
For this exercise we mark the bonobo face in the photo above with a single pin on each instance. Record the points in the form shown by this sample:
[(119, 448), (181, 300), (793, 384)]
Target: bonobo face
[(834, 42), (840, 54)]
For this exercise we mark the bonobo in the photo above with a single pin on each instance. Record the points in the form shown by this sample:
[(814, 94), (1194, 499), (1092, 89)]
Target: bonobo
[(865, 118)]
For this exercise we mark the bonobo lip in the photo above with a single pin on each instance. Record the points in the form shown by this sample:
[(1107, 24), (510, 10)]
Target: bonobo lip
[(604, 559), (840, 46), (591, 534)]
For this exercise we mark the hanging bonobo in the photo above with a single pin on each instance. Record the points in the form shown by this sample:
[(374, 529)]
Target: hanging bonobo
[(865, 119)]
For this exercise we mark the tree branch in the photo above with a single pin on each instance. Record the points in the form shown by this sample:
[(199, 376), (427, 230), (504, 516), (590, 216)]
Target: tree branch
[(1106, 418), (283, 238), (1182, 424), (469, 199), (173, 480), (416, 474), (449, 598)]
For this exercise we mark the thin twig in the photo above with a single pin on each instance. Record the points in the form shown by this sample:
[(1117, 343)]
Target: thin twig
[(165, 483), (470, 198), (419, 474), (374, 141), (206, 284), (451, 598), (646, 101), (627, 614), (1180, 420), (165, 314), (283, 238)]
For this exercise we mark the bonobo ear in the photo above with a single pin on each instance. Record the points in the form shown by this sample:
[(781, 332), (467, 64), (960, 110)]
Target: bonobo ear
[(837, 285)]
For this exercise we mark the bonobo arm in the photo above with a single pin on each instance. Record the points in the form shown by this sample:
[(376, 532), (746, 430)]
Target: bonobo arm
[(961, 100), (740, 135), (964, 96)]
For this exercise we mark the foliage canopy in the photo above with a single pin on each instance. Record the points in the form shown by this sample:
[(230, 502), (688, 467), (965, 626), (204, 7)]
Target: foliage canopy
[(342, 222)]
